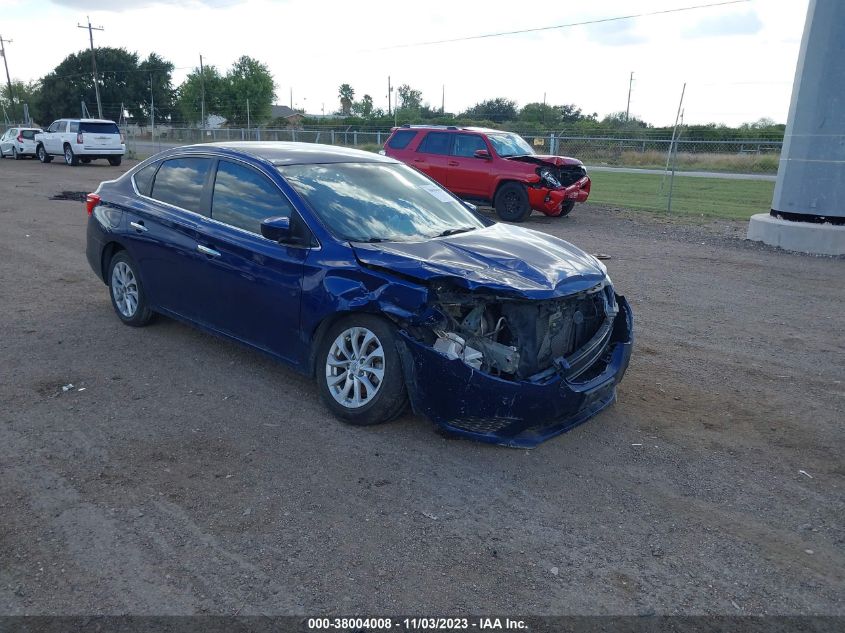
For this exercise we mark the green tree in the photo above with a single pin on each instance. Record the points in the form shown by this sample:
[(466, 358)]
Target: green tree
[(364, 107), (497, 110), (249, 79), (189, 95), (346, 94), (23, 93), (409, 98), (121, 78), (155, 75)]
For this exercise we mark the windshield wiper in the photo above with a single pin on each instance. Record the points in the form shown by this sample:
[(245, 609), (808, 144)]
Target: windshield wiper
[(462, 229)]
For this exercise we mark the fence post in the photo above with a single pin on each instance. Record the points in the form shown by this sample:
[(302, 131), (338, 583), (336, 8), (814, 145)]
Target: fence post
[(355, 137), (332, 137), (293, 134), (378, 137)]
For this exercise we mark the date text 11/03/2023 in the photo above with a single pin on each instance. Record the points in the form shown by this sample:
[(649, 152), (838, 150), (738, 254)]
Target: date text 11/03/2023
[(417, 624)]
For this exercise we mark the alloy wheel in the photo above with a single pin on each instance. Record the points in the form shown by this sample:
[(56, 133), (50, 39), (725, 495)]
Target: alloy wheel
[(355, 367), (124, 288)]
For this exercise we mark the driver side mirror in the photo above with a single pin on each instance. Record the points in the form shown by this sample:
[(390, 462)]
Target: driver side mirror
[(482, 153), (276, 229)]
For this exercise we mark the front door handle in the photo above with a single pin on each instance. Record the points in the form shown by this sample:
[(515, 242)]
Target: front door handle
[(139, 226), (208, 251), (453, 163)]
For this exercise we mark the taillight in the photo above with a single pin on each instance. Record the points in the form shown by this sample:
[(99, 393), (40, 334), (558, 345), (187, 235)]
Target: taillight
[(122, 138), (79, 138), (20, 138), (91, 201)]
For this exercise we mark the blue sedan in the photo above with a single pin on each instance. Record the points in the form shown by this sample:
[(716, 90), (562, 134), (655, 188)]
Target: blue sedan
[(358, 270)]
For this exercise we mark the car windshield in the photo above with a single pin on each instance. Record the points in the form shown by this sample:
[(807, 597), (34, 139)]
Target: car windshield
[(375, 202), (509, 145)]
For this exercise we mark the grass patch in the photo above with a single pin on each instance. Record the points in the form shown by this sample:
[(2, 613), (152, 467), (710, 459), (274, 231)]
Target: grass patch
[(709, 197)]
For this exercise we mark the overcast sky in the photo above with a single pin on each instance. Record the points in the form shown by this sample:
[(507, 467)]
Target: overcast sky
[(738, 60)]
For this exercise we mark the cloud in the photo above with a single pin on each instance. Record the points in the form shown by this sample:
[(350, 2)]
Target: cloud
[(747, 23), (619, 33), (116, 6)]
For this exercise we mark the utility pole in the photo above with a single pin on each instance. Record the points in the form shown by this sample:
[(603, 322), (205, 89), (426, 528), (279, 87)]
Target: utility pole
[(152, 111), (389, 95), (8, 78), (443, 101), (91, 30), (628, 107), (291, 97), (247, 117), (202, 90)]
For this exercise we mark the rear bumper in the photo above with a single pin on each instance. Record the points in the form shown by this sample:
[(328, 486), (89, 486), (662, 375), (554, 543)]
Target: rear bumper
[(550, 201), (473, 404), (118, 150)]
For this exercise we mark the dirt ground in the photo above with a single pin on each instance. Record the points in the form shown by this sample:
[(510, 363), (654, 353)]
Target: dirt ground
[(184, 474)]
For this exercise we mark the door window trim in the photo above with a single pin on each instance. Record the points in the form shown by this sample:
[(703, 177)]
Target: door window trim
[(215, 159)]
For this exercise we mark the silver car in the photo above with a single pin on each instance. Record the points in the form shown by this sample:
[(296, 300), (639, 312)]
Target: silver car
[(18, 142)]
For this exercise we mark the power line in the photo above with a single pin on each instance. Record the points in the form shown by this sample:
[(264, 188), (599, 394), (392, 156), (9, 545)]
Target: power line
[(560, 26)]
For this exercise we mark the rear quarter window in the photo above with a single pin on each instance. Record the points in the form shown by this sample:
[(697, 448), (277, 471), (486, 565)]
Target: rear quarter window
[(180, 182), (99, 128), (401, 139), (144, 179), (29, 134)]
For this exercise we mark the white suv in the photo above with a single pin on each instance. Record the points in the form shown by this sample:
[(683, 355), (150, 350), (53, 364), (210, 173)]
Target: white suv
[(18, 142), (81, 140)]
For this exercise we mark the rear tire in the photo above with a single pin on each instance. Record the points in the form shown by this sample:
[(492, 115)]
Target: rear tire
[(42, 154), (15, 154), (114, 161), (127, 294), (359, 374), (567, 207), (70, 158), (511, 202)]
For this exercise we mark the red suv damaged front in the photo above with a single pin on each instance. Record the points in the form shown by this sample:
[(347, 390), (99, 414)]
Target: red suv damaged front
[(492, 167)]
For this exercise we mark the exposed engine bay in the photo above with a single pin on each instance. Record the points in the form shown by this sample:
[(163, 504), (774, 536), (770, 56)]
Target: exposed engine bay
[(521, 339)]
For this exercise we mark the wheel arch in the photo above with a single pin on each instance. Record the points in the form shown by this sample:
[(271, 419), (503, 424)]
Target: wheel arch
[(109, 251), (325, 325)]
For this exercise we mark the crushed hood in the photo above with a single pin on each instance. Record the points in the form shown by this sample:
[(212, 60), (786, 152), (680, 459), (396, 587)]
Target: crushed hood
[(539, 159), (505, 259)]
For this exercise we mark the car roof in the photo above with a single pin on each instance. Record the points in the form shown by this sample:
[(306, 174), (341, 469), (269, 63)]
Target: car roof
[(451, 128), (287, 153), (88, 120)]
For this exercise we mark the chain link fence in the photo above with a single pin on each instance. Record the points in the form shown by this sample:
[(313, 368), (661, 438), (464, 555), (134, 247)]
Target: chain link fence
[(737, 156)]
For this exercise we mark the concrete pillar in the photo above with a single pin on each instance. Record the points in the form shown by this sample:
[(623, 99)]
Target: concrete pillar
[(811, 174), (808, 206)]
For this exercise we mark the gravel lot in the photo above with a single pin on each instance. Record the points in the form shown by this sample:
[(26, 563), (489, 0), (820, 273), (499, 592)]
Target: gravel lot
[(184, 474)]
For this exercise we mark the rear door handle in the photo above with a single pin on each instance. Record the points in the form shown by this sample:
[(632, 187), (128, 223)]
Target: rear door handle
[(419, 160), (208, 251), (139, 226), (453, 163)]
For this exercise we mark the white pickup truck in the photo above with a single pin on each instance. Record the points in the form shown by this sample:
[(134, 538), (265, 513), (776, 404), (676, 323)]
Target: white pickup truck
[(81, 140)]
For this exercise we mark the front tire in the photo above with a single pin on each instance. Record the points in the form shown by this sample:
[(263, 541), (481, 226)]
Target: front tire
[(566, 208), (359, 374), (114, 161), (15, 154), (511, 202), (42, 154), (127, 294), (71, 159)]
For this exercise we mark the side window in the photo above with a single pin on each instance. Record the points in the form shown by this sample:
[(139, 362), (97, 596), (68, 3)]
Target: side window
[(144, 179), (435, 143), (74, 127), (467, 144), (243, 197), (180, 182), (401, 139), (54, 126)]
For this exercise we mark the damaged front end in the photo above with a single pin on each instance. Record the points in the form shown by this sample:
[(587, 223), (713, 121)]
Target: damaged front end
[(516, 371), (560, 180)]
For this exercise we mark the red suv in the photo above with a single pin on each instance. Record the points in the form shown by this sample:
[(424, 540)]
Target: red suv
[(492, 167)]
